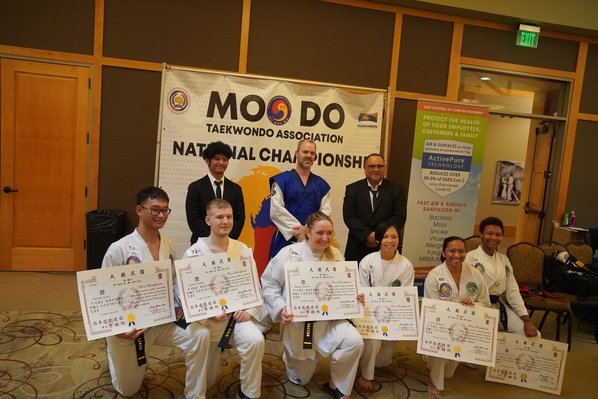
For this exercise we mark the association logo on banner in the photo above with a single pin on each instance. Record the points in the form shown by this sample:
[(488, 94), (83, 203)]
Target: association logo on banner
[(178, 100), (279, 110)]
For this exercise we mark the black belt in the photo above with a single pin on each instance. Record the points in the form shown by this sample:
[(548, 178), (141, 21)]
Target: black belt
[(308, 334), (502, 310), (228, 332), (140, 349)]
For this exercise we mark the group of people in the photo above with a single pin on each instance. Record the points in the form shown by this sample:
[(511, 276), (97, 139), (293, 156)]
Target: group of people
[(374, 210)]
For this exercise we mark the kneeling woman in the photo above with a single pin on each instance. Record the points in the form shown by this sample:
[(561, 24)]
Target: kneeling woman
[(337, 338), (452, 281), (385, 268)]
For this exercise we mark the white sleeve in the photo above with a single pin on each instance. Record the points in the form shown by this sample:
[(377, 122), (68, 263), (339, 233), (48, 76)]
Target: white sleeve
[(279, 215), (364, 272), (326, 204), (431, 286), (483, 296), (273, 288), (114, 256), (513, 294), (409, 274)]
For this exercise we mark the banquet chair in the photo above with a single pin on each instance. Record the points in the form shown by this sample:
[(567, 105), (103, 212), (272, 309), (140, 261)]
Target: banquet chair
[(551, 247), (472, 242), (528, 268), (580, 250)]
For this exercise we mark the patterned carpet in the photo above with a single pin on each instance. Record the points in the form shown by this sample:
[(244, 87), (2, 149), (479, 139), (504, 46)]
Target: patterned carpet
[(46, 355)]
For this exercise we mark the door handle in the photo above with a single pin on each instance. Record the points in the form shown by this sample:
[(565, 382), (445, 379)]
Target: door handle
[(8, 190), (529, 209)]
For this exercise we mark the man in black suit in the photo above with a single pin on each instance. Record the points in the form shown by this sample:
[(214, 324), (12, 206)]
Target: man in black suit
[(368, 203), (214, 185)]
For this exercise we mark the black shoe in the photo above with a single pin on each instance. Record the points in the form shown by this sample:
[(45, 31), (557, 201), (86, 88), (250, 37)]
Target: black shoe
[(335, 393), (241, 395)]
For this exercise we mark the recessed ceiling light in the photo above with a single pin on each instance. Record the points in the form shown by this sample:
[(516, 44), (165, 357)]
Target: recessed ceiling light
[(485, 78)]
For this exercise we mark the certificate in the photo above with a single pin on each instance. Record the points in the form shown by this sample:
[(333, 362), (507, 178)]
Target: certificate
[(212, 284), (390, 313), (529, 362), (118, 299), (322, 290), (458, 332)]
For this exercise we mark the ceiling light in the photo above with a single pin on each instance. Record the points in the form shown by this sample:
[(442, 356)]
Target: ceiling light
[(485, 78)]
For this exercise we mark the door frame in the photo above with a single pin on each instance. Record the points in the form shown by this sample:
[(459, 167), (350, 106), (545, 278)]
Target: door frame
[(552, 186)]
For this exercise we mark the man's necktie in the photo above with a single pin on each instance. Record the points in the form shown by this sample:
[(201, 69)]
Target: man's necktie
[(218, 188), (374, 196)]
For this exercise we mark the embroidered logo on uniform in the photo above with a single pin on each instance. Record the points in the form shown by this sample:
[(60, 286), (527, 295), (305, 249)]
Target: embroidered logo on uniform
[(480, 268), (507, 270), (472, 288), (445, 290), (396, 283), (132, 260)]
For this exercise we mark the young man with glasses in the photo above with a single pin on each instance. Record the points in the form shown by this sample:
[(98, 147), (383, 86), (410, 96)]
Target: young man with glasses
[(368, 203), (214, 185), (127, 352)]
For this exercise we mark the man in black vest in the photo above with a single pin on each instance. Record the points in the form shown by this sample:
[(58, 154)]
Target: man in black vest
[(214, 185), (368, 203)]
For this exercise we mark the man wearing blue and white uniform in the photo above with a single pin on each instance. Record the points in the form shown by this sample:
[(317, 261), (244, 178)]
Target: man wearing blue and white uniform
[(296, 194)]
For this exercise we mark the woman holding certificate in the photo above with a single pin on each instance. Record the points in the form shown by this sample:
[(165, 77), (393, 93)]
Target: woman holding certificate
[(336, 338), (385, 268), (453, 281)]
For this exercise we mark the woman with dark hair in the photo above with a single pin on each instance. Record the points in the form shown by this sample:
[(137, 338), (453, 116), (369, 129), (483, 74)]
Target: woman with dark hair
[(452, 281), (384, 268), (502, 286), (336, 338)]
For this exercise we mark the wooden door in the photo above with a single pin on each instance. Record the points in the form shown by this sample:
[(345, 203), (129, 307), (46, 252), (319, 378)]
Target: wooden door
[(537, 173), (44, 159)]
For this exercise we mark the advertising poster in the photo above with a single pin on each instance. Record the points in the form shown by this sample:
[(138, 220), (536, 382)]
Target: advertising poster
[(446, 169)]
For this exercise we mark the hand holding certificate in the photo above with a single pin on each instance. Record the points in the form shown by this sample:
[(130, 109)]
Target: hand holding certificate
[(215, 284), (322, 290), (118, 299), (458, 332)]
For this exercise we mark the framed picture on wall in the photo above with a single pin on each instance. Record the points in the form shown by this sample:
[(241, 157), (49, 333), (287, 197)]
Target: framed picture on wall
[(508, 183)]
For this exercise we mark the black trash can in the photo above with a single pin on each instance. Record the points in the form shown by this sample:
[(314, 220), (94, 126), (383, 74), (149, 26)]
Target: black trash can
[(104, 226)]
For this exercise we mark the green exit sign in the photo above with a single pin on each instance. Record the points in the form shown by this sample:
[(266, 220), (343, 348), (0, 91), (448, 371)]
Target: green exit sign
[(528, 35)]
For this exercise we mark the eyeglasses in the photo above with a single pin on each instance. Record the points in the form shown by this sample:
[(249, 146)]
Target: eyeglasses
[(157, 211), (375, 166)]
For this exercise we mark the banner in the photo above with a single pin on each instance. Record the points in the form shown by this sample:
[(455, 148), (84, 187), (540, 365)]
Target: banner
[(446, 168), (262, 120)]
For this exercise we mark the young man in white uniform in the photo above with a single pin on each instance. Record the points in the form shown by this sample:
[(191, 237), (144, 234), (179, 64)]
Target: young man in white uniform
[(146, 244), (246, 337), (502, 286), (337, 338)]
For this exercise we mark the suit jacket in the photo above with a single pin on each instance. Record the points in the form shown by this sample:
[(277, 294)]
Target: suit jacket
[(199, 193), (390, 206)]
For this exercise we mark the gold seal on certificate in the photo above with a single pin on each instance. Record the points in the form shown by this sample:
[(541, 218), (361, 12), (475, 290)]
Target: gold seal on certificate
[(322, 290), (212, 284), (390, 313), (118, 299), (533, 363), (458, 332)]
